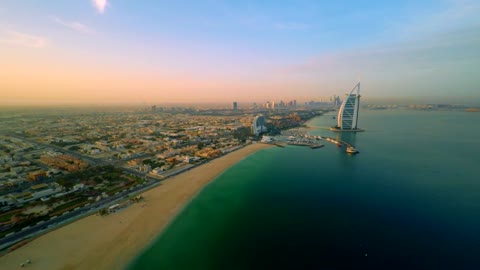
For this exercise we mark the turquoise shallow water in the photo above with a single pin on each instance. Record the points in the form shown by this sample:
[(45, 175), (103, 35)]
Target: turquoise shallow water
[(410, 199)]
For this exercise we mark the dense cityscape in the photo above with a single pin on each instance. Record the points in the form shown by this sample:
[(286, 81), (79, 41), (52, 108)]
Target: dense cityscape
[(56, 167)]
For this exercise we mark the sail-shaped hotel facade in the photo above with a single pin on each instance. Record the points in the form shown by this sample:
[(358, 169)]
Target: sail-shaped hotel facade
[(347, 118)]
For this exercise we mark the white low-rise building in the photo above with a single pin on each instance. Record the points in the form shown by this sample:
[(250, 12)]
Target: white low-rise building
[(266, 139)]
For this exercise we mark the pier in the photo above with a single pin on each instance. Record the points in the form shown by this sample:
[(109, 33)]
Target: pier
[(311, 145), (340, 143), (335, 141)]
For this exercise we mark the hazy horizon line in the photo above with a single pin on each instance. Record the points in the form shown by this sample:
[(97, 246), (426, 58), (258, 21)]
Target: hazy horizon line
[(467, 101)]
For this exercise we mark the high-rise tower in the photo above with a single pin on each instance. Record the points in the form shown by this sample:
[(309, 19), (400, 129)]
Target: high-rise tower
[(347, 119)]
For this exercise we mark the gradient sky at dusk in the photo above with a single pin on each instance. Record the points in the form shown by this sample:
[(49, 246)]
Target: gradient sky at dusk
[(115, 51)]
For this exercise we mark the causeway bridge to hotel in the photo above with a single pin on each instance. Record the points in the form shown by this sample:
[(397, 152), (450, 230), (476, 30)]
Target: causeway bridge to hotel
[(335, 141)]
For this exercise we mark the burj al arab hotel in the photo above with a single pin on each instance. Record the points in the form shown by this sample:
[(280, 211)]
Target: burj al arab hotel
[(347, 118)]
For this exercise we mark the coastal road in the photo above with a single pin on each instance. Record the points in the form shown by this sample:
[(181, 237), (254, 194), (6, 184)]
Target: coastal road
[(68, 217), (71, 216)]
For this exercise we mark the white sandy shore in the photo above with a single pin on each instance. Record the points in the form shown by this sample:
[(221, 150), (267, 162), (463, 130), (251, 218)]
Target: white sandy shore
[(111, 242)]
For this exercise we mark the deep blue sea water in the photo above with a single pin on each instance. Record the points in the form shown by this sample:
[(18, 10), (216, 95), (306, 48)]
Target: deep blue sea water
[(409, 200)]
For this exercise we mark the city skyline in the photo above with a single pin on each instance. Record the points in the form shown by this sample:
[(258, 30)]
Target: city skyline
[(119, 52)]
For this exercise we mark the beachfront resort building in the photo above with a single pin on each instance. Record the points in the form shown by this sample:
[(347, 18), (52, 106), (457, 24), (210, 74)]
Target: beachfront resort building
[(347, 118), (259, 125)]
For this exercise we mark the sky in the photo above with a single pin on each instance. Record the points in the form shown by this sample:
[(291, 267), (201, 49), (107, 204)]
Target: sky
[(124, 51)]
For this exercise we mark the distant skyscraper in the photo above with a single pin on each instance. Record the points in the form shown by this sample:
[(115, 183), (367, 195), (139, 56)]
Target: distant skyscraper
[(154, 108), (347, 118), (235, 106), (336, 101)]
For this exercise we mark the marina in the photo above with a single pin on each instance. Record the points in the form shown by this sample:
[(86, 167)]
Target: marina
[(299, 138), (311, 145)]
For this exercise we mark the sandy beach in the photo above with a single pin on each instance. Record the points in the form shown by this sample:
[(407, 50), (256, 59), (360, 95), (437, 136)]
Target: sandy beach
[(111, 242)]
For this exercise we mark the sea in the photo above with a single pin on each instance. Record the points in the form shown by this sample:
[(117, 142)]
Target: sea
[(409, 200)]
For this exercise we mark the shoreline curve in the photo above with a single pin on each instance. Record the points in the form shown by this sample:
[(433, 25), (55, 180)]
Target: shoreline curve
[(113, 241)]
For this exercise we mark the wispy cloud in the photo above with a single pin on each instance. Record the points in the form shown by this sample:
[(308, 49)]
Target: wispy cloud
[(23, 39), (267, 23), (100, 5), (80, 27), (455, 15), (291, 26), (437, 51), (434, 64), (437, 40)]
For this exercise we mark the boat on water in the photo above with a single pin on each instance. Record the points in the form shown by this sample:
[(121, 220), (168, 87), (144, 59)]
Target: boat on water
[(317, 146), (351, 150)]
